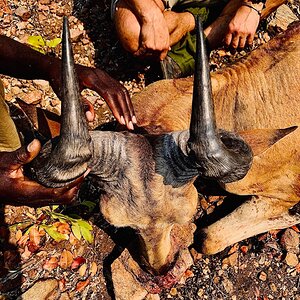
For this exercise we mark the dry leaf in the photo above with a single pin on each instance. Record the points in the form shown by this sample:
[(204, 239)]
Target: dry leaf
[(23, 240), (51, 264), (93, 269), (82, 270), (64, 228), (79, 260), (244, 249), (82, 284), (233, 249), (32, 247), (73, 240), (66, 259), (62, 284), (34, 236), (18, 234), (26, 254)]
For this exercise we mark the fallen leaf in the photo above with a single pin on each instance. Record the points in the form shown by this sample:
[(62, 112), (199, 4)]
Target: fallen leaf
[(19, 234), (244, 249), (32, 247), (51, 264), (26, 254), (62, 284), (93, 269), (66, 259), (34, 236), (23, 240), (79, 260), (82, 284), (64, 228), (82, 270)]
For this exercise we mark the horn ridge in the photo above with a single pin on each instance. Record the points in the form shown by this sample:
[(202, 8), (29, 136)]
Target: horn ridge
[(67, 157), (212, 158)]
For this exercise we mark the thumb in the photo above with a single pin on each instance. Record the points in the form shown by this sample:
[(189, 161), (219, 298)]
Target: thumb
[(25, 154)]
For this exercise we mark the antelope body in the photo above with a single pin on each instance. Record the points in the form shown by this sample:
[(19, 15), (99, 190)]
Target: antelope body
[(148, 180), (259, 92)]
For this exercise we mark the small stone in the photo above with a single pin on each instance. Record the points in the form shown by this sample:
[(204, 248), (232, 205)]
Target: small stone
[(76, 34), (290, 240), (262, 276), (23, 13), (173, 292), (291, 259), (228, 286), (200, 293), (32, 97), (273, 287)]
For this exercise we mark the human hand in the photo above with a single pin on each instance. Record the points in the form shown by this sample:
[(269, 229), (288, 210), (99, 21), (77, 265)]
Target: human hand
[(154, 36), (17, 189), (242, 27), (113, 92)]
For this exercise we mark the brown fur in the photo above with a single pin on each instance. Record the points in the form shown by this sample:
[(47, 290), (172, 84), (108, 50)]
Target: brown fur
[(259, 92)]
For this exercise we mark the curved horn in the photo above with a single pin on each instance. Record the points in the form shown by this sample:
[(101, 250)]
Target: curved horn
[(69, 155), (214, 159)]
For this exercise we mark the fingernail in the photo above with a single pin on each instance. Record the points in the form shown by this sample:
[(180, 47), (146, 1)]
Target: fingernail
[(130, 125), (122, 120), (31, 147), (89, 116), (134, 119), (86, 172)]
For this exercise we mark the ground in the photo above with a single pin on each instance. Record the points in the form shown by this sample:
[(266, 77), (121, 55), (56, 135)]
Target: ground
[(41, 256)]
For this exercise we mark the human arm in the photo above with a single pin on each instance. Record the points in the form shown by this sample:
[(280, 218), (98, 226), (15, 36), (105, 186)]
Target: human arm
[(20, 61), (154, 33), (17, 189)]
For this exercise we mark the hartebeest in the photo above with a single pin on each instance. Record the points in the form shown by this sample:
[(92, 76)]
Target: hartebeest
[(148, 180), (258, 92)]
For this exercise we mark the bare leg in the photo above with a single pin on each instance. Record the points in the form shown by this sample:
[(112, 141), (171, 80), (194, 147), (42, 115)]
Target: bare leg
[(255, 216), (128, 25)]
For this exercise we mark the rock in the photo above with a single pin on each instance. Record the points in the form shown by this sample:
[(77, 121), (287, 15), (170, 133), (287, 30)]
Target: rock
[(262, 276), (290, 241), (41, 290), (126, 287), (42, 84), (228, 285), (23, 13), (291, 259), (76, 34), (231, 260), (32, 97), (284, 17)]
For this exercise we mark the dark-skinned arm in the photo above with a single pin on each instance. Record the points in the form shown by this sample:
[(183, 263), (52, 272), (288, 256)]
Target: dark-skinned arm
[(20, 61)]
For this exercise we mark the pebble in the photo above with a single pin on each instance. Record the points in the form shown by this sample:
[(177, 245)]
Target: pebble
[(291, 259), (262, 276), (23, 13)]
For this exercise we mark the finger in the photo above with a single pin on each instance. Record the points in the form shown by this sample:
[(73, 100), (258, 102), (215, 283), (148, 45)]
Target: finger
[(242, 42), (24, 155), (228, 39), (163, 54), (250, 39), (89, 110), (235, 41)]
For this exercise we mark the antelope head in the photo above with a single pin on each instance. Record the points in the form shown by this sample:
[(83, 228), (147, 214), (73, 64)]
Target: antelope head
[(147, 180)]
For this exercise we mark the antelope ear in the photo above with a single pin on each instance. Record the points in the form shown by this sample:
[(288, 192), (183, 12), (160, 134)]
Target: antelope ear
[(48, 123), (262, 139)]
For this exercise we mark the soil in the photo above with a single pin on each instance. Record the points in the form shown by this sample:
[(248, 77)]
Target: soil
[(263, 267)]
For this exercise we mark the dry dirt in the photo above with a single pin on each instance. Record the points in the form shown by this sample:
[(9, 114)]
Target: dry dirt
[(263, 267)]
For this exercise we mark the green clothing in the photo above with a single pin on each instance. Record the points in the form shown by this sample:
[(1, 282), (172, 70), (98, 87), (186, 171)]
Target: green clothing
[(9, 138), (184, 51)]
